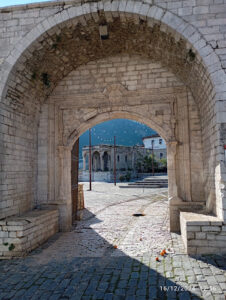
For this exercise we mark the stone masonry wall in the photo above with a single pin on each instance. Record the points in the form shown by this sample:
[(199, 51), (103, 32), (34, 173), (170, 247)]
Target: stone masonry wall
[(202, 234), (208, 16), (20, 235)]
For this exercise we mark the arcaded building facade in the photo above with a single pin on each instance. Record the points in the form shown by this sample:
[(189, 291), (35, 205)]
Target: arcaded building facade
[(66, 66), (126, 157)]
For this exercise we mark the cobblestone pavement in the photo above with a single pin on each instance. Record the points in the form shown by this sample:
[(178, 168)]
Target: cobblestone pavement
[(84, 264)]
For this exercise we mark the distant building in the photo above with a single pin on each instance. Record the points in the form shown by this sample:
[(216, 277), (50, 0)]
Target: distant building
[(158, 144), (103, 162), (103, 157), (126, 160)]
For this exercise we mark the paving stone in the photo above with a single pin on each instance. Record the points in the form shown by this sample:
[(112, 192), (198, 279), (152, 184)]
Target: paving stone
[(219, 297), (207, 272), (130, 298), (108, 296), (223, 286), (220, 278), (211, 280), (55, 297), (73, 269), (201, 278), (184, 296), (197, 271)]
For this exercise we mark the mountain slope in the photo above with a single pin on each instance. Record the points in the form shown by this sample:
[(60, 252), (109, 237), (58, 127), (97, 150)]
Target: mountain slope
[(127, 132)]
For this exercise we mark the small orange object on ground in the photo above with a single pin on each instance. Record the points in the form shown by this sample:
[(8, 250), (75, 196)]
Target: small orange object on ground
[(115, 246), (157, 259)]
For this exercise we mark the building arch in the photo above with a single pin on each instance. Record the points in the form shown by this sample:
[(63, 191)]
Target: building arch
[(145, 11), (24, 92), (116, 114)]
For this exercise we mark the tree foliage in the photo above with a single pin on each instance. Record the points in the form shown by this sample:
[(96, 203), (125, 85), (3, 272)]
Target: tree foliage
[(144, 164)]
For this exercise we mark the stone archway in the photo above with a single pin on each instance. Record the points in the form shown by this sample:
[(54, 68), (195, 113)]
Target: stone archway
[(166, 130), (145, 31)]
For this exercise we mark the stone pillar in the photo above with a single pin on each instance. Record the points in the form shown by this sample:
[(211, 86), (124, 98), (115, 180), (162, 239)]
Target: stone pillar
[(176, 204), (174, 200), (101, 161), (112, 159), (133, 160), (84, 161), (108, 161), (64, 192), (171, 168)]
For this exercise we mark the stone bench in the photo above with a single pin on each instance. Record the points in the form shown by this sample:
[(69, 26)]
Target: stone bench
[(20, 235), (202, 234)]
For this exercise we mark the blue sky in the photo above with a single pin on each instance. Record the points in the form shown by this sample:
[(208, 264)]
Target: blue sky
[(17, 2)]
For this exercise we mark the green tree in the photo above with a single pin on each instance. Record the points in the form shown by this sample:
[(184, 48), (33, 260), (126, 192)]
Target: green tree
[(144, 164), (122, 178), (163, 162), (128, 176)]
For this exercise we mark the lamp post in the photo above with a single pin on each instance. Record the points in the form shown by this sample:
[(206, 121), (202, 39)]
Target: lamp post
[(114, 160), (152, 161), (90, 162)]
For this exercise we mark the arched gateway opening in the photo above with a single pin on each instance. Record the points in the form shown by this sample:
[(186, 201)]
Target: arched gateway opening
[(125, 158), (157, 98), (149, 68)]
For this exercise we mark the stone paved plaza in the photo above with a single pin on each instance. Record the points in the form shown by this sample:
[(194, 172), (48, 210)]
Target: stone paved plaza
[(84, 264)]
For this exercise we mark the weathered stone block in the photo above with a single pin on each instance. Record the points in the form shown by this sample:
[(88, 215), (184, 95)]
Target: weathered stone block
[(198, 243), (200, 235), (194, 228), (211, 236), (211, 229), (4, 234)]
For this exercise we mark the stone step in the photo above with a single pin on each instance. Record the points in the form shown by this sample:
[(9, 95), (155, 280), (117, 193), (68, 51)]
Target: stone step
[(154, 180), (153, 183), (150, 182), (145, 186)]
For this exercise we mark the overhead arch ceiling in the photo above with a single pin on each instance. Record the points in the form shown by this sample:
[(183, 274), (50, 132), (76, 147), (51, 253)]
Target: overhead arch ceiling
[(60, 51)]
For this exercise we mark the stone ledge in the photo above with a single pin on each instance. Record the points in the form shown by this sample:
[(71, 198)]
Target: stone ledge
[(20, 235), (202, 234), (177, 205)]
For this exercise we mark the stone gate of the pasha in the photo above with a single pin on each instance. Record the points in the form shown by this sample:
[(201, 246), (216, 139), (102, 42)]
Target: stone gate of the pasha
[(66, 66)]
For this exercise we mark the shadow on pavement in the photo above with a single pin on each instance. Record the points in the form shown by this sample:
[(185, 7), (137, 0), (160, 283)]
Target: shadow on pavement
[(57, 270)]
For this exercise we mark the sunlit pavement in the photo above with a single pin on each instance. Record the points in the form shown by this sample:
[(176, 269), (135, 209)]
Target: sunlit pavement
[(111, 254)]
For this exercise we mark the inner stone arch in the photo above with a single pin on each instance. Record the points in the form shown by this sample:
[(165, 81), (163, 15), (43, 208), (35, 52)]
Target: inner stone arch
[(150, 94), (34, 83)]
